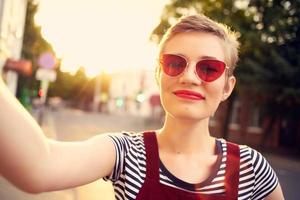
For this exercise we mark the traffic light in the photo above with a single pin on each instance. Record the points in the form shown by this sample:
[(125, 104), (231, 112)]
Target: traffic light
[(40, 93), (140, 97), (119, 102)]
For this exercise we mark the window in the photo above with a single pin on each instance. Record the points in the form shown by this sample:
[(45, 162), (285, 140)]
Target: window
[(212, 121), (255, 118), (235, 115)]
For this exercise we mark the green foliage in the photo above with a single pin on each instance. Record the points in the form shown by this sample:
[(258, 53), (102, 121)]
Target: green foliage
[(78, 89), (33, 45), (268, 34), (68, 86)]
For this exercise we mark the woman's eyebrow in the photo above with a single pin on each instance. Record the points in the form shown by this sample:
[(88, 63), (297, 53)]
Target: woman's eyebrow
[(208, 57)]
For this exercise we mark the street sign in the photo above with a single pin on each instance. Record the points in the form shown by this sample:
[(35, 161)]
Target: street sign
[(47, 60), (45, 75)]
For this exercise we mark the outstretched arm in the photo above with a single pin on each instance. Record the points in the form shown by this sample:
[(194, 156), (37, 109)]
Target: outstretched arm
[(35, 163), (276, 194)]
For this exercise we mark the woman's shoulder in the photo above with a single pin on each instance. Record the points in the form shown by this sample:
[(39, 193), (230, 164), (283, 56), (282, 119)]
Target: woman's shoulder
[(125, 135), (125, 140), (242, 147), (251, 157), (256, 170)]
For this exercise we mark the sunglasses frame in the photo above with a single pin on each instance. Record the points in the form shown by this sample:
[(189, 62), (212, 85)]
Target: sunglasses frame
[(187, 65)]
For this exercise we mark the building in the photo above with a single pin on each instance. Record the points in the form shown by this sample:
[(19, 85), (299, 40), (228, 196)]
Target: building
[(12, 21), (131, 90)]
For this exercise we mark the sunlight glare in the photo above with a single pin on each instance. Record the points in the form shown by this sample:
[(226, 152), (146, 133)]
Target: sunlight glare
[(101, 35)]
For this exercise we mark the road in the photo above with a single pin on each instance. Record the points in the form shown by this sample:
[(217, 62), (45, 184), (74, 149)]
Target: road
[(70, 125)]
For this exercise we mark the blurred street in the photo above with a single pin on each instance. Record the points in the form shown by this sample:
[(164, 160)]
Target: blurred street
[(70, 124)]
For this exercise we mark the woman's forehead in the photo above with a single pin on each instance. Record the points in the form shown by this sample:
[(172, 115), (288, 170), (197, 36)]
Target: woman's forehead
[(196, 45)]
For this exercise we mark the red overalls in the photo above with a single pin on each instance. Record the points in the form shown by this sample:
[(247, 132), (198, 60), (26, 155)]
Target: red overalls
[(152, 189)]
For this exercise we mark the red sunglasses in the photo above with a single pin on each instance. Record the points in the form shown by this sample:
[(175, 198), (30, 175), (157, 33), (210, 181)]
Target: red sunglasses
[(207, 70)]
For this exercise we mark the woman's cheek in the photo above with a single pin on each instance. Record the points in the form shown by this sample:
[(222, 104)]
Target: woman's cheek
[(165, 92), (214, 96)]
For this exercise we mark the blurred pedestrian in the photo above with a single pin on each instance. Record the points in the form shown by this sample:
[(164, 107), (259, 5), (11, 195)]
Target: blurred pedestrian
[(181, 160)]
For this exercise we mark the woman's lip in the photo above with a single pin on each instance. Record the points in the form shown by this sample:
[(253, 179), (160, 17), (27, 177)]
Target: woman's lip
[(188, 94)]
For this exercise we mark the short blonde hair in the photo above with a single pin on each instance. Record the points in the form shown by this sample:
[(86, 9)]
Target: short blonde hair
[(201, 23)]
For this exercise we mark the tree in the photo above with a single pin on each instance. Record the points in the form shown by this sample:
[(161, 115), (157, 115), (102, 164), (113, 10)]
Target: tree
[(279, 58), (33, 45), (269, 56), (78, 89)]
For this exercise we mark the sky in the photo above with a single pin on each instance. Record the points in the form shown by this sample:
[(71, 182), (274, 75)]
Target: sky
[(101, 35)]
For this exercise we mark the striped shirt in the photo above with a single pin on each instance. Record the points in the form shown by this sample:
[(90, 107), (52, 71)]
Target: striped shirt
[(257, 178)]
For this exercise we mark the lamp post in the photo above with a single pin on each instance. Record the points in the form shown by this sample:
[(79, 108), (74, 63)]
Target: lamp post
[(45, 74), (97, 94)]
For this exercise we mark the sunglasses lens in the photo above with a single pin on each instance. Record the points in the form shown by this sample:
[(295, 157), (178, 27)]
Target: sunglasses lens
[(210, 70), (173, 65)]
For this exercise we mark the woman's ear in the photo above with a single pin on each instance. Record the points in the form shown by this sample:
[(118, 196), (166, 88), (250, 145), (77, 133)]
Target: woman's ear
[(229, 86)]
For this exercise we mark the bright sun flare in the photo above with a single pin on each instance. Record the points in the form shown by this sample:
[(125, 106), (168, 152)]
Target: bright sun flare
[(101, 35)]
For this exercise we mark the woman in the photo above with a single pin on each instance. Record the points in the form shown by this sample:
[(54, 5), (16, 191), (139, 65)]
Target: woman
[(179, 161)]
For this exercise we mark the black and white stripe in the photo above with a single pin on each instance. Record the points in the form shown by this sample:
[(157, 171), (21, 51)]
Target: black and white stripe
[(257, 178)]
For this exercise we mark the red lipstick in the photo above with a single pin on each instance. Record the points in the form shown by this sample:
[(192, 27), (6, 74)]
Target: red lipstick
[(188, 94)]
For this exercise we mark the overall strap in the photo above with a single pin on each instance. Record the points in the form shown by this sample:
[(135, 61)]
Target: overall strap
[(232, 171), (152, 156)]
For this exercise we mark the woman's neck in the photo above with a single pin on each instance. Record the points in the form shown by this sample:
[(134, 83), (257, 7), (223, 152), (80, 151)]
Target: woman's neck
[(184, 136)]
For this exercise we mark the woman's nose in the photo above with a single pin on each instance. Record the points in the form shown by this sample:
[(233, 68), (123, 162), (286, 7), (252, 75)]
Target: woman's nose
[(189, 76)]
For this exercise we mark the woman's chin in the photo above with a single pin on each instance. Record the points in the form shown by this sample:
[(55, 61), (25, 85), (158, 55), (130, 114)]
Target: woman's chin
[(189, 116)]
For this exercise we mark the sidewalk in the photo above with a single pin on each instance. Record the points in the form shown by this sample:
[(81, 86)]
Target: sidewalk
[(283, 162)]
